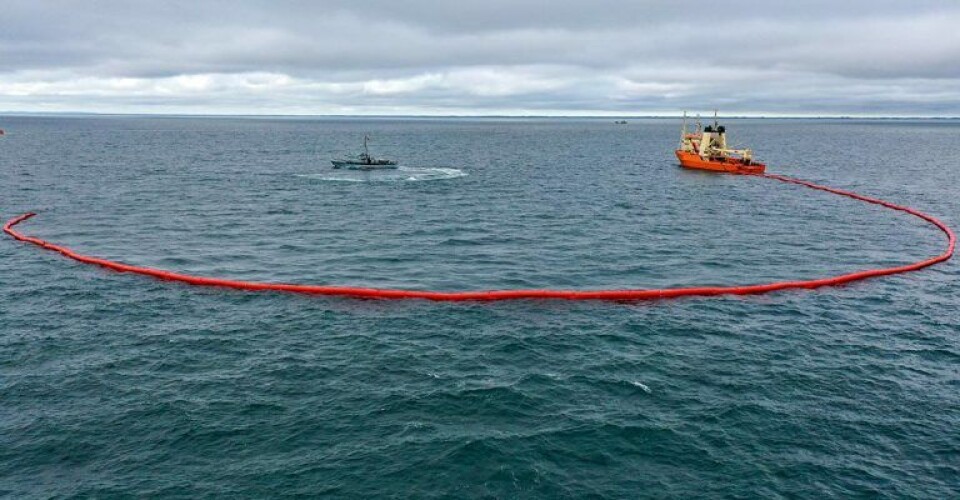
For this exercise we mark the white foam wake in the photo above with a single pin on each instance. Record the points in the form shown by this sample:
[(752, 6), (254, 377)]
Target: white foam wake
[(641, 385), (401, 174)]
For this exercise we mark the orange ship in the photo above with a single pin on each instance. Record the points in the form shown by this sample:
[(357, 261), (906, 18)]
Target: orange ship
[(706, 149)]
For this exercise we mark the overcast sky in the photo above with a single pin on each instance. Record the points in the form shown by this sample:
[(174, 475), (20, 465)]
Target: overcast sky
[(556, 57)]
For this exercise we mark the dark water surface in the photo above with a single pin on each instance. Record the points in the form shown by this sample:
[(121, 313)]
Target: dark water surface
[(114, 385)]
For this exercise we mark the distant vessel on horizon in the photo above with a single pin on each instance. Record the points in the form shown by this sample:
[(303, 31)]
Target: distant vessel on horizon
[(364, 161), (706, 149)]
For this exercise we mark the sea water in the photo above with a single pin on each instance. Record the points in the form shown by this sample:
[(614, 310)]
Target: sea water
[(115, 385)]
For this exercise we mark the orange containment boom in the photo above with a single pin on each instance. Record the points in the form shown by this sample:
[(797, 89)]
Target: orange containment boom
[(491, 295)]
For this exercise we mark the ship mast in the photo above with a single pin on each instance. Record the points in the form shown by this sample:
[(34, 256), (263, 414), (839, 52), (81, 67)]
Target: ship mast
[(683, 128)]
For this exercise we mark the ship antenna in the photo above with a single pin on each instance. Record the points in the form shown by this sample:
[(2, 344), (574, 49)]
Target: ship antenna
[(366, 137), (715, 122)]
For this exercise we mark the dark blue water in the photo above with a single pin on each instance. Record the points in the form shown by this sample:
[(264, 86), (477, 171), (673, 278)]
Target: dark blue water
[(116, 385)]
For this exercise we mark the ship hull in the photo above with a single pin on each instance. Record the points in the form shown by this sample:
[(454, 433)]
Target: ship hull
[(729, 166), (352, 165)]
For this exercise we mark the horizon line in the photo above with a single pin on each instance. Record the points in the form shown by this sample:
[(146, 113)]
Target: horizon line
[(539, 116)]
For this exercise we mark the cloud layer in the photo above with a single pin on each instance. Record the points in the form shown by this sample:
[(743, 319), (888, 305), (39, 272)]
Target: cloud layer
[(878, 57)]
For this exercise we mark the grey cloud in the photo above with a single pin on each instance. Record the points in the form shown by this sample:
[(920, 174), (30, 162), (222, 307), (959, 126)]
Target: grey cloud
[(603, 55)]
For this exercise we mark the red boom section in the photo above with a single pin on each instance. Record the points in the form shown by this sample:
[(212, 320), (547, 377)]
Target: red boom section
[(492, 295)]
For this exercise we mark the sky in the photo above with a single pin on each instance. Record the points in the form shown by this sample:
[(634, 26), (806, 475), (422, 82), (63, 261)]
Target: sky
[(491, 57)]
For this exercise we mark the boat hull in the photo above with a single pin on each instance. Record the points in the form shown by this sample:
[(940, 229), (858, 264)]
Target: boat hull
[(729, 165), (347, 165)]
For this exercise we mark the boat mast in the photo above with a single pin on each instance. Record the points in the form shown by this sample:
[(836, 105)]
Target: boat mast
[(683, 128), (365, 150)]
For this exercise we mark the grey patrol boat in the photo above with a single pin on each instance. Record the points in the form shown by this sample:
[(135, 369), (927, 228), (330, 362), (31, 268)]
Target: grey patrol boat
[(364, 161)]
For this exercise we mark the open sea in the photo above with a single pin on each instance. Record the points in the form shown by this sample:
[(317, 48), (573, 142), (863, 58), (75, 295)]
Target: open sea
[(115, 385)]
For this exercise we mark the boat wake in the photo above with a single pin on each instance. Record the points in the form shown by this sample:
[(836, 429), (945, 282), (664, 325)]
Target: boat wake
[(401, 174)]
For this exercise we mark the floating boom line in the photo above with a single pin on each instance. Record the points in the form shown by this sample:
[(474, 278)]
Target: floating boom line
[(532, 294)]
